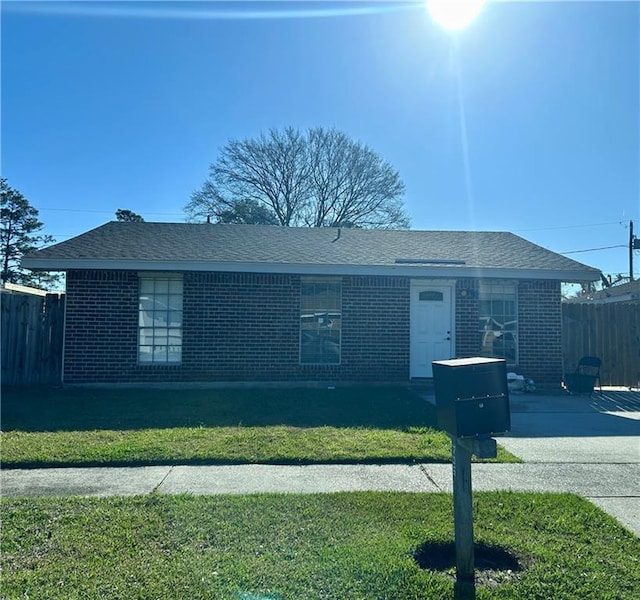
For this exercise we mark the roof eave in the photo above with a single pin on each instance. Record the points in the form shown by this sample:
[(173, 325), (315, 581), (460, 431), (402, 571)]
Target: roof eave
[(459, 271)]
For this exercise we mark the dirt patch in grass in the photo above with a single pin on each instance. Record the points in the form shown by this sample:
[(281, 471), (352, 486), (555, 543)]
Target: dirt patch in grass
[(494, 565)]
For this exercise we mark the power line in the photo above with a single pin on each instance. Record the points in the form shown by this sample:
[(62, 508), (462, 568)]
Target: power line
[(168, 214), (80, 210), (594, 249), (570, 227), (88, 210)]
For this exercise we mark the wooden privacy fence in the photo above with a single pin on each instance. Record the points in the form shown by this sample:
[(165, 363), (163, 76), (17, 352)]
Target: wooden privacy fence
[(32, 334), (610, 331)]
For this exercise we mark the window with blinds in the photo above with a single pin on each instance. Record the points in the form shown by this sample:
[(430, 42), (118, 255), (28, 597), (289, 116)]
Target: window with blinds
[(160, 319)]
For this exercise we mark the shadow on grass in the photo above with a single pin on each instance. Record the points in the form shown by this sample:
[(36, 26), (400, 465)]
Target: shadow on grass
[(441, 556), (197, 462), (494, 565), (79, 409)]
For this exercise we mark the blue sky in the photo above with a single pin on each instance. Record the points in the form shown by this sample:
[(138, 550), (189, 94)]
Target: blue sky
[(527, 121)]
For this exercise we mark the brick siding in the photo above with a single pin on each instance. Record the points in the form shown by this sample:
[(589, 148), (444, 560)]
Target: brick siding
[(375, 328), (540, 332), (236, 327), (101, 325), (246, 327), (467, 338)]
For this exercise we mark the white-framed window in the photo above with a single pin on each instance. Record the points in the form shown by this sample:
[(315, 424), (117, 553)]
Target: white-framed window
[(498, 323), (160, 319), (320, 321)]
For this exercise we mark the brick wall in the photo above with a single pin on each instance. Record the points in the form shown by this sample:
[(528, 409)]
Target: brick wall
[(240, 326), (236, 327), (375, 328), (246, 327), (101, 329), (540, 332), (467, 338)]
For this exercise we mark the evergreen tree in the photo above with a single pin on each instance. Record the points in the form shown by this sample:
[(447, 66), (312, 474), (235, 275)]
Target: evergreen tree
[(19, 235), (123, 214)]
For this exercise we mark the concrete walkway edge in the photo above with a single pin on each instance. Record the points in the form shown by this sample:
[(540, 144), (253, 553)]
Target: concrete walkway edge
[(613, 487)]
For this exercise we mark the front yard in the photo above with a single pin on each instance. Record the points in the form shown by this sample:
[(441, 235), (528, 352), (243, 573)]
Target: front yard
[(358, 545), (332, 546), (104, 427)]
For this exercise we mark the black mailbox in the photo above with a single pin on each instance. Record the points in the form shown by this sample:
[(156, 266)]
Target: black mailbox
[(472, 396)]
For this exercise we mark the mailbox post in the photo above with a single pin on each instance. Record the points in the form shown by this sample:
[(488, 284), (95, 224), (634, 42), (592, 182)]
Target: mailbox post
[(472, 404), (463, 511)]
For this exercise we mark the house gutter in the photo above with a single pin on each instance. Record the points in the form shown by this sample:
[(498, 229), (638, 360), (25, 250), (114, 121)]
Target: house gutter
[(396, 270)]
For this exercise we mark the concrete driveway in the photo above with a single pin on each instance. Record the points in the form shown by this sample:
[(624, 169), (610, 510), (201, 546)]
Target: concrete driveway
[(575, 429), (594, 441)]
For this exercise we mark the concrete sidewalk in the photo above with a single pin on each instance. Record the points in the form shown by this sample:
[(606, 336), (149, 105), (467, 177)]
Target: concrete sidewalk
[(586, 446), (614, 487)]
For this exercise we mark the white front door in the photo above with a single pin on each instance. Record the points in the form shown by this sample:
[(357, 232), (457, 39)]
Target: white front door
[(431, 326)]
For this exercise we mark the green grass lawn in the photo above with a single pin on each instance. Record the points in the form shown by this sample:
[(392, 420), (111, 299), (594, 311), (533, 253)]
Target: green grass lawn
[(332, 546), (89, 427)]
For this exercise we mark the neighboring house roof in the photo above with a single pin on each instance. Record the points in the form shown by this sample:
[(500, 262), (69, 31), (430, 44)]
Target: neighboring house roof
[(625, 292), (269, 248)]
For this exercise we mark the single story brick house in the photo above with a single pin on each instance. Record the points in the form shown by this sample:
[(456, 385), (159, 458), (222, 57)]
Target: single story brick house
[(185, 302)]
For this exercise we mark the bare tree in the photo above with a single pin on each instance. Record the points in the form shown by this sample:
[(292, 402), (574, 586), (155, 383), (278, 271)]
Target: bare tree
[(270, 171), (352, 185), (321, 178)]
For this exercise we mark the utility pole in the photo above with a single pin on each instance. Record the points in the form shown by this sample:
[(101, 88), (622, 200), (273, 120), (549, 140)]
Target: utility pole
[(631, 247)]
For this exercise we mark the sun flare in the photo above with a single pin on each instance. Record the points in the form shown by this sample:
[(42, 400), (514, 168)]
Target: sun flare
[(454, 14)]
